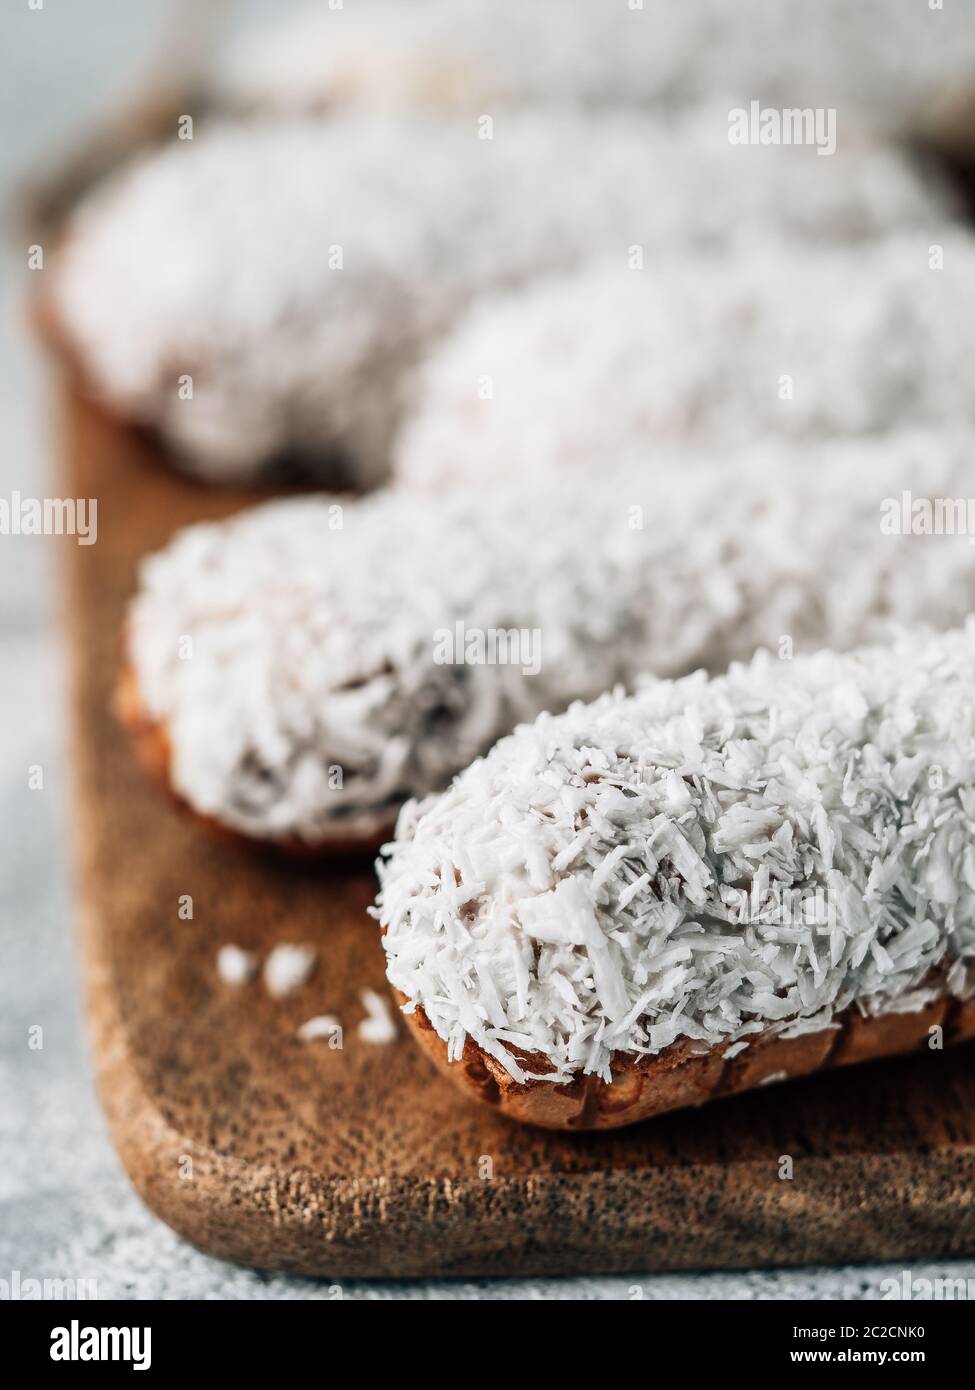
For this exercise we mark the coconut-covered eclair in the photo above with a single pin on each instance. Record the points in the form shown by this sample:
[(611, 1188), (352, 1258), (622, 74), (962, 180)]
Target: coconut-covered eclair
[(654, 900), (257, 293), (777, 338), (880, 58), (297, 672)]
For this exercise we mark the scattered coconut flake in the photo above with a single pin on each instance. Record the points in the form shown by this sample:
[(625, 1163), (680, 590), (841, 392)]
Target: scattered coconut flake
[(321, 1026), (236, 966), (287, 968), (380, 1025)]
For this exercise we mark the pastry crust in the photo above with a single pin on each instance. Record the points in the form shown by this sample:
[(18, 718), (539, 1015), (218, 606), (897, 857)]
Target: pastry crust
[(45, 323), (152, 747), (679, 1077)]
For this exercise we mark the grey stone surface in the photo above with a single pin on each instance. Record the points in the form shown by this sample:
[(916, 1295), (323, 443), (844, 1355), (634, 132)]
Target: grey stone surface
[(66, 1210)]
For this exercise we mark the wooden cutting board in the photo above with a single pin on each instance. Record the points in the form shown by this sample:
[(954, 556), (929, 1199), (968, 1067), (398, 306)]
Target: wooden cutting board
[(363, 1162)]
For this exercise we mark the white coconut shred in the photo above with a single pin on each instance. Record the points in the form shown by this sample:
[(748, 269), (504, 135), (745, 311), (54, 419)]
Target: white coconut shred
[(379, 1025), (578, 893), (256, 295), (287, 968), (311, 679), (320, 1028), (776, 338), (235, 966)]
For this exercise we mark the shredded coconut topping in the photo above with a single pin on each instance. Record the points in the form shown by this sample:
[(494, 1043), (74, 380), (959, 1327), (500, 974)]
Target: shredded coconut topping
[(287, 273), (311, 679), (777, 339), (880, 57), (597, 884)]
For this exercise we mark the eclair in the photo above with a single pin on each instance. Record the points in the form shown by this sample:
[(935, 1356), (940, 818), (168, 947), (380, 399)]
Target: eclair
[(296, 673), (655, 900), (877, 59), (706, 350), (255, 297)]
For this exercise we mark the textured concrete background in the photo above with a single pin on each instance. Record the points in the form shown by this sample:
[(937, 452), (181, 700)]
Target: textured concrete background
[(66, 1210)]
